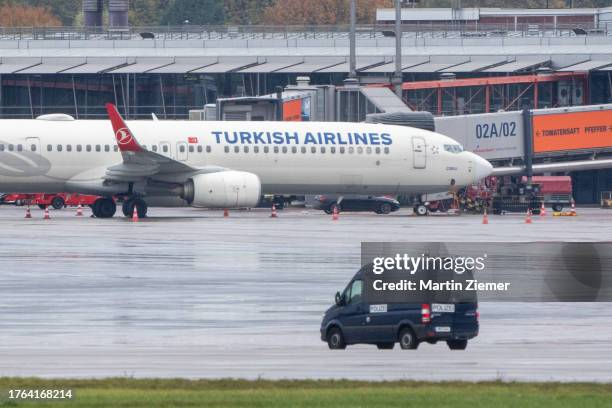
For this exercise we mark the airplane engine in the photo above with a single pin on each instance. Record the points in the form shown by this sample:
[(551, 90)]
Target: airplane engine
[(226, 189)]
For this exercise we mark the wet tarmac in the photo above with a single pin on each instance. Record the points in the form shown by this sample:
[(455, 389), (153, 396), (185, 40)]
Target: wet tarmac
[(188, 293)]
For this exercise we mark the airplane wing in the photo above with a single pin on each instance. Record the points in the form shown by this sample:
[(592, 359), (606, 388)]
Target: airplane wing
[(555, 167), (138, 163)]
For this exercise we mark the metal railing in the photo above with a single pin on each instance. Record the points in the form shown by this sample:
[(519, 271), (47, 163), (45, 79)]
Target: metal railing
[(186, 32)]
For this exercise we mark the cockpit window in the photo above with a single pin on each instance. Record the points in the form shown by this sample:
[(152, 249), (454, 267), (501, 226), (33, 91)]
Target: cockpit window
[(454, 148)]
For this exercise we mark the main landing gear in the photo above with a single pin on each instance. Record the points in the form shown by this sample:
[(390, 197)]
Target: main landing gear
[(130, 203), (104, 208)]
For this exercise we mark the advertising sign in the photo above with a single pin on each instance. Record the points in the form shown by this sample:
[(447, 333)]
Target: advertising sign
[(572, 131), (292, 110)]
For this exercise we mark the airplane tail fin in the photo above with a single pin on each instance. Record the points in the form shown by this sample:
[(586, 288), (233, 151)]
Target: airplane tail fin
[(124, 136)]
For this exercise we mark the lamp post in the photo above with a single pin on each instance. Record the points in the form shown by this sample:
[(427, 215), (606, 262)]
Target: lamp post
[(353, 41), (397, 75)]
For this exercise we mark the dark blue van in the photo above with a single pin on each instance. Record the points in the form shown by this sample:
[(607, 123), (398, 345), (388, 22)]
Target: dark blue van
[(355, 320)]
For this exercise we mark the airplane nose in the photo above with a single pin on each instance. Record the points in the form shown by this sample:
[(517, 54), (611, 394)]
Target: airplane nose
[(482, 168)]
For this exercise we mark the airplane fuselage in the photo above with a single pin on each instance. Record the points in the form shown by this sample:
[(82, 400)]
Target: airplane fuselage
[(289, 158)]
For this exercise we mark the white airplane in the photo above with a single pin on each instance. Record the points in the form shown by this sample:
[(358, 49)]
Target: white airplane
[(225, 164)]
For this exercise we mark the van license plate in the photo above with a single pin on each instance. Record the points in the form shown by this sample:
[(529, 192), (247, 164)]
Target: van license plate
[(441, 308), (443, 329)]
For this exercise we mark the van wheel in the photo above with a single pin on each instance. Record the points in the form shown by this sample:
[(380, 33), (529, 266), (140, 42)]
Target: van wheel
[(385, 346), (457, 344), (557, 208), (335, 339), (407, 339)]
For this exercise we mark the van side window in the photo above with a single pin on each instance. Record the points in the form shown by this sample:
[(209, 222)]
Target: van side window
[(355, 295)]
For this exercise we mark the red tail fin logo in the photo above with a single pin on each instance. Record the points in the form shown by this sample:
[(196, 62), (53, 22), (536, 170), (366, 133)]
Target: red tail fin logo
[(124, 137)]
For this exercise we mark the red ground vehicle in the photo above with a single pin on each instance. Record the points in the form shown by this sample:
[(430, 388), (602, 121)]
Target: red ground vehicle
[(555, 191), (56, 201)]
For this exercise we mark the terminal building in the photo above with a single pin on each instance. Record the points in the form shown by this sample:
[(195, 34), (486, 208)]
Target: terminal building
[(477, 62)]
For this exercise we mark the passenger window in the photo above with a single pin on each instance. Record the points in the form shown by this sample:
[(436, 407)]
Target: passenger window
[(342, 150), (33, 148), (154, 148), (386, 150), (369, 150), (191, 149), (19, 148), (355, 295), (313, 149), (79, 148), (236, 149), (106, 148), (2, 147), (11, 148), (59, 148), (351, 150), (226, 149), (285, 149), (266, 149), (68, 148), (165, 148), (294, 149), (378, 150), (246, 149), (88, 148), (49, 148), (116, 148), (276, 149), (332, 150), (360, 150), (98, 148), (322, 149), (182, 148), (144, 147), (303, 149), (256, 149), (208, 149), (200, 149)]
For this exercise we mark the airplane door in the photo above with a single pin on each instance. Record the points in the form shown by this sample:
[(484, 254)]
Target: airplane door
[(165, 149), (181, 151), (419, 152)]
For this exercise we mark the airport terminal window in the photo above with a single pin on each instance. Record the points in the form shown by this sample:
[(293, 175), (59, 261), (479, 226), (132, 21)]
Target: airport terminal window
[(246, 149), (226, 149), (236, 149), (59, 148), (355, 295), (79, 148), (276, 149), (208, 149), (98, 148), (266, 149), (68, 148), (88, 148), (294, 149), (386, 150)]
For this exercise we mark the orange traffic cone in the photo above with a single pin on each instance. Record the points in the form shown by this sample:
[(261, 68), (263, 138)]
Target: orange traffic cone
[(485, 217), (28, 213), (335, 213), (47, 216), (573, 211), (79, 212), (543, 211), (273, 215), (226, 213), (135, 217), (528, 218)]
